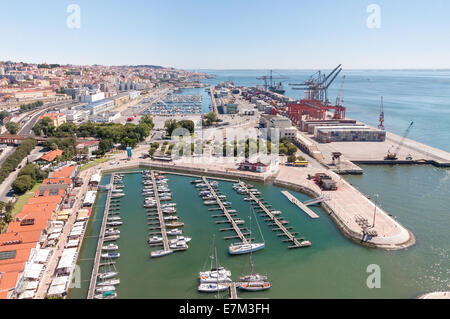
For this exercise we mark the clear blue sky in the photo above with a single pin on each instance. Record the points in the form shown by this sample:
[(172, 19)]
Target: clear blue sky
[(227, 34)]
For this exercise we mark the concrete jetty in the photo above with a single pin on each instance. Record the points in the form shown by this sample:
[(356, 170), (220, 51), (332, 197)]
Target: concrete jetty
[(160, 214), (299, 204), (225, 211), (347, 207), (98, 253)]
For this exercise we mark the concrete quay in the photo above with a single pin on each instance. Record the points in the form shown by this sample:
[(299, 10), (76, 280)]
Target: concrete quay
[(347, 207), (373, 153)]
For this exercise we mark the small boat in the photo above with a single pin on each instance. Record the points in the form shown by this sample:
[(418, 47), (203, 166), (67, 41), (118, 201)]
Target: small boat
[(180, 238), (239, 221), (107, 275), (226, 203), (111, 255), (241, 248), (110, 247), (117, 195), (155, 240), (254, 285), (253, 278), (175, 224), (114, 223), (247, 199), (106, 295), (174, 232), (204, 193), (201, 185), (212, 287), (169, 205), (160, 253), (210, 202), (114, 218), (169, 218), (111, 238), (222, 196), (105, 288), (113, 282), (112, 232), (179, 245), (197, 181), (275, 212)]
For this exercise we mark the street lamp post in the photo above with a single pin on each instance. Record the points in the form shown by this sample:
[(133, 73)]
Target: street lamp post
[(375, 210)]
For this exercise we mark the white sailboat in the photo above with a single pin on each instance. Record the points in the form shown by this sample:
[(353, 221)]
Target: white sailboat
[(216, 275), (249, 247)]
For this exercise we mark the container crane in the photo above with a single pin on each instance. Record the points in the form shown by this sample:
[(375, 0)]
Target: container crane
[(393, 155), (269, 83)]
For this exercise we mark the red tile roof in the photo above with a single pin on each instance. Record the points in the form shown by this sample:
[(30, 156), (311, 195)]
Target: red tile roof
[(50, 156)]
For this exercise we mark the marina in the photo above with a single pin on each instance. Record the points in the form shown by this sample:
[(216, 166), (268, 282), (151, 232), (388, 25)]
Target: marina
[(333, 247), (176, 104)]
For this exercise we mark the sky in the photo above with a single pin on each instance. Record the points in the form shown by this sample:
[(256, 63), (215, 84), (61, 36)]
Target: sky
[(230, 34)]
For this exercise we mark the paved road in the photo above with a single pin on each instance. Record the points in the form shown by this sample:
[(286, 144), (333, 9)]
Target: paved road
[(5, 187)]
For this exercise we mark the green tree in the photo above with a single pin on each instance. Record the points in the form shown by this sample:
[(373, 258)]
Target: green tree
[(147, 120), (12, 127), (3, 115), (211, 117), (170, 126), (291, 158), (22, 184), (187, 124)]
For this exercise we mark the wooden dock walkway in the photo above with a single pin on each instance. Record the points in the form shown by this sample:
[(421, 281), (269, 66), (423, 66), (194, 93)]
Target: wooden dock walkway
[(233, 290), (295, 241), (94, 274), (160, 214), (225, 211), (299, 204)]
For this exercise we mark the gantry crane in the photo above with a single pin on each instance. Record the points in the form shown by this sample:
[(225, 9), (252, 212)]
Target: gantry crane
[(393, 155)]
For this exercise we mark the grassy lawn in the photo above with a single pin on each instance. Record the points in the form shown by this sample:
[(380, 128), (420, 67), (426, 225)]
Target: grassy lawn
[(94, 163), (23, 199)]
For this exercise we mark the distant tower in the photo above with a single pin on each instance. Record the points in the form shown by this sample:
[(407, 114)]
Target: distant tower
[(381, 125)]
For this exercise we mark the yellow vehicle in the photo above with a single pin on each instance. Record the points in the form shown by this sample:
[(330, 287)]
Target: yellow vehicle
[(301, 163)]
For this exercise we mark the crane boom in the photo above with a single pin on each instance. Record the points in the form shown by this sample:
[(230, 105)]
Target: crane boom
[(393, 155)]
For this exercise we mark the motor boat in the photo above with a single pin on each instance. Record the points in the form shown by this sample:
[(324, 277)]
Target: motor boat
[(106, 295), (212, 287), (160, 253), (105, 288), (111, 255), (113, 282), (110, 247), (114, 223), (111, 238), (155, 240), (174, 232), (107, 275)]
